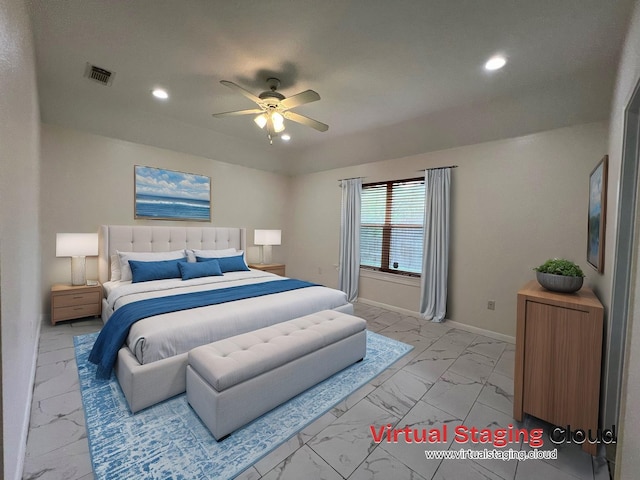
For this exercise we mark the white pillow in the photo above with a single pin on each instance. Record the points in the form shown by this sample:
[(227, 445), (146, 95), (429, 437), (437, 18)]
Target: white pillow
[(115, 268), (225, 252), (125, 269)]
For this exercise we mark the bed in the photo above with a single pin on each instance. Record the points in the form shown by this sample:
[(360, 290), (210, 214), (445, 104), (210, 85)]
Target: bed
[(151, 365)]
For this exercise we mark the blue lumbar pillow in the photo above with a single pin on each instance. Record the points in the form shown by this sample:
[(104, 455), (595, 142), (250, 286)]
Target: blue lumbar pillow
[(146, 271), (202, 269), (229, 264)]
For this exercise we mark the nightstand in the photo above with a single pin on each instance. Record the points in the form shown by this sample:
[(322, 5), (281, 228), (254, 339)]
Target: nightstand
[(277, 268), (69, 302)]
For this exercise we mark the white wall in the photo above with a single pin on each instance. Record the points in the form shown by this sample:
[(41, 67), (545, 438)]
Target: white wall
[(87, 181), (627, 459), (581, 93), (515, 203), (19, 236)]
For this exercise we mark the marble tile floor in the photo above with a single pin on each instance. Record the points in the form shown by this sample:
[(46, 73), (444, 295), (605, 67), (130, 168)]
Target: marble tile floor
[(452, 377)]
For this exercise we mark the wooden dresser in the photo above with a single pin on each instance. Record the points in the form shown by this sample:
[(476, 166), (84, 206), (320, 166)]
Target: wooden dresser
[(558, 358), (70, 302)]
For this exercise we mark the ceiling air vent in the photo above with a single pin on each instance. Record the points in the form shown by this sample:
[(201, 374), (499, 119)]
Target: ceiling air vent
[(100, 75)]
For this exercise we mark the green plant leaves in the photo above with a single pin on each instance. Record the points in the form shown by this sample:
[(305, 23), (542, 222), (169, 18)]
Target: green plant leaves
[(560, 266)]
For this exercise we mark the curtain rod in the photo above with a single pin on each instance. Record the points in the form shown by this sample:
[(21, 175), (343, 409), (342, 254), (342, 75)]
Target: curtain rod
[(438, 168), (352, 178)]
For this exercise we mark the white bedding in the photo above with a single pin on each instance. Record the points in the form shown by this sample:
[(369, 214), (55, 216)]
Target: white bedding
[(170, 334)]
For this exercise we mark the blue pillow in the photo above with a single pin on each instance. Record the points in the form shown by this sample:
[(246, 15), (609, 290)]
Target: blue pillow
[(191, 270), (146, 271), (228, 264)]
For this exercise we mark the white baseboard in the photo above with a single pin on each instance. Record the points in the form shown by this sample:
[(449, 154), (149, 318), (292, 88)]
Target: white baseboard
[(462, 326), (26, 420)]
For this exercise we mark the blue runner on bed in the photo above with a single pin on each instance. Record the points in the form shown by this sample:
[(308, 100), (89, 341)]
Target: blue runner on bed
[(115, 331)]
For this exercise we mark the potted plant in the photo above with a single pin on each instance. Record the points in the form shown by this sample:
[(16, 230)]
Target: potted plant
[(560, 275)]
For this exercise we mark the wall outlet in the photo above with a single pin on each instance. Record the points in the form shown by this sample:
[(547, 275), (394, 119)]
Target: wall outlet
[(491, 304)]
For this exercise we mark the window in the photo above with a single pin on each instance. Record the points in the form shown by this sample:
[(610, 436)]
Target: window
[(391, 227)]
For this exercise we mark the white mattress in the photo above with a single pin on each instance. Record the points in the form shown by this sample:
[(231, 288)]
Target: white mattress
[(170, 334)]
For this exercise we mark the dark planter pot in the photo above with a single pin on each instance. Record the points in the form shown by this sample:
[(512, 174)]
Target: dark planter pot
[(559, 283)]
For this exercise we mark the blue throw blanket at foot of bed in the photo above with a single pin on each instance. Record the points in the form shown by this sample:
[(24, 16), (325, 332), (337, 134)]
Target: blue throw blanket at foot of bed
[(114, 333)]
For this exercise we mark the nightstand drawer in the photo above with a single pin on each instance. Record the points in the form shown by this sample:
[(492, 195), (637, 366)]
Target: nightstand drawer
[(77, 311), (277, 268), (76, 299)]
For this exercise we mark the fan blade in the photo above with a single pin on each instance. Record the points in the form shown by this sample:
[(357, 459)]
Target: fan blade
[(238, 112), (307, 96), (309, 122), (241, 91)]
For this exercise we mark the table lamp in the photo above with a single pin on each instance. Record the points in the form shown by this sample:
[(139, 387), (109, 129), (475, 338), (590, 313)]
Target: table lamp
[(266, 238), (77, 246)]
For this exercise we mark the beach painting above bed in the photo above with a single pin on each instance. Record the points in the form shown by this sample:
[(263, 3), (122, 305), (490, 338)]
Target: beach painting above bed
[(168, 195)]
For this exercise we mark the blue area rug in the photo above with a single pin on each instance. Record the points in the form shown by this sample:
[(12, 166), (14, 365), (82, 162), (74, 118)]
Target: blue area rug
[(168, 440)]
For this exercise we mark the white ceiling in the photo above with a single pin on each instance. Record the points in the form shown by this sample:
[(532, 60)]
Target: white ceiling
[(396, 77)]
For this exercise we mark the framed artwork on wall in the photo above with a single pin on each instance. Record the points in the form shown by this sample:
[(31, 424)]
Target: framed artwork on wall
[(162, 194), (597, 215)]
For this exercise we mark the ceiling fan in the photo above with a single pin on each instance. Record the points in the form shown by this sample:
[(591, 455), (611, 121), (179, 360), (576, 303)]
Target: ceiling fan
[(273, 108)]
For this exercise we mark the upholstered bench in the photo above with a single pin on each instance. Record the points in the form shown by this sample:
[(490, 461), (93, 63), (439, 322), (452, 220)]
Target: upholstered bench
[(233, 381)]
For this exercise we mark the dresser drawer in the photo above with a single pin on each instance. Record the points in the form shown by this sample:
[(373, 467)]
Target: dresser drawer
[(76, 299), (77, 311)]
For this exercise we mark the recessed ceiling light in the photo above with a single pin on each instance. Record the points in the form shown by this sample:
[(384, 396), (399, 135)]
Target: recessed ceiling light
[(160, 93), (495, 63), (286, 137)]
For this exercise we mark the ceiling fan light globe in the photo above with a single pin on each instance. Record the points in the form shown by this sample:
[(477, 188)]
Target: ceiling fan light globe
[(261, 120), (278, 121)]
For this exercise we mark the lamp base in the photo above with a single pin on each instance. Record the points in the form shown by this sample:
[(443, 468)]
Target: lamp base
[(78, 270), (266, 255)]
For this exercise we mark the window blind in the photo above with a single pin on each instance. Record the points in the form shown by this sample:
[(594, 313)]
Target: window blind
[(391, 231)]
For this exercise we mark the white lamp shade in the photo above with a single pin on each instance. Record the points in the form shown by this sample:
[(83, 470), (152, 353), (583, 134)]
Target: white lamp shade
[(76, 244), (267, 237)]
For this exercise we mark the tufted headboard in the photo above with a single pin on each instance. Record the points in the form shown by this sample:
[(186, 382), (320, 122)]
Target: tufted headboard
[(139, 238)]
